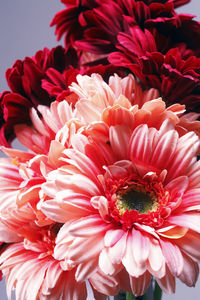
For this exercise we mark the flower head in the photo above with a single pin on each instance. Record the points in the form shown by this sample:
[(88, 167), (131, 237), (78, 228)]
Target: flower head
[(98, 23), (175, 76), (25, 81), (130, 178), (147, 38), (140, 187), (110, 162), (30, 238)]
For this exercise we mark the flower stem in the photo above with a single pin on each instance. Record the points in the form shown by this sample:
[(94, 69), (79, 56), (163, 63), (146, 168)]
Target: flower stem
[(157, 292), (130, 296)]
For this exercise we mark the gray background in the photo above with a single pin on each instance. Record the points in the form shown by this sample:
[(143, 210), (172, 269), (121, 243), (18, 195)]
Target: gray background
[(24, 30)]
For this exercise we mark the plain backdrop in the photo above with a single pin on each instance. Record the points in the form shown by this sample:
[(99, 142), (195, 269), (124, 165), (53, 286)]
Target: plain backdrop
[(24, 29)]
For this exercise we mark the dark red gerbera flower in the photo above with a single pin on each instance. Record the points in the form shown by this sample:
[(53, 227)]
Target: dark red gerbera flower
[(25, 76), (71, 21), (25, 82), (177, 3), (177, 78), (93, 26)]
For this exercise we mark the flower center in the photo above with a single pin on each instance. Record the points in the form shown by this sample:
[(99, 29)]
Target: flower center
[(49, 234), (136, 199)]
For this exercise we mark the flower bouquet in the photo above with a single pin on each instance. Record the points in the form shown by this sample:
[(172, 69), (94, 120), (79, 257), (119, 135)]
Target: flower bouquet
[(105, 199)]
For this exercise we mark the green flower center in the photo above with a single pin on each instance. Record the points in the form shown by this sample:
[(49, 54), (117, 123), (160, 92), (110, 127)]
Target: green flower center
[(135, 198)]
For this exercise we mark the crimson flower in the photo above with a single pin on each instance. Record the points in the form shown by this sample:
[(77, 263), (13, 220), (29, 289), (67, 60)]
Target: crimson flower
[(93, 26), (70, 20), (25, 81), (177, 3), (174, 76)]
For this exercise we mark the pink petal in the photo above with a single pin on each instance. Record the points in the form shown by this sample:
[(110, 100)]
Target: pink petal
[(116, 252), (156, 259), (164, 149), (67, 206), (55, 212), (173, 257), (190, 272), (189, 220), (86, 270), (55, 153), (7, 235), (140, 284), (139, 145), (94, 245), (141, 246), (78, 183), (128, 260), (38, 123), (88, 226), (119, 138), (105, 263), (167, 283), (73, 289), (13, 153), (186, 150), (84, 163), (178, 184), (190, 244), (112, 236), (64, 111), (104, 284), (89, 110), (52, 275), (190, 198), (103, 207)]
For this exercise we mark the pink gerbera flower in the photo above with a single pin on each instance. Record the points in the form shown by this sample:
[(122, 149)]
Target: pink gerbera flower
[(108, 159), (32, 270), (131, 194), (31, 261), (139, 197)]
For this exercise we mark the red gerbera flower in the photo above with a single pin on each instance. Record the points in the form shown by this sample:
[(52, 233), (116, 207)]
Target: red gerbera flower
[(93, 26), (177, 3), (71, 21), (174, 76), (25, 81)]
